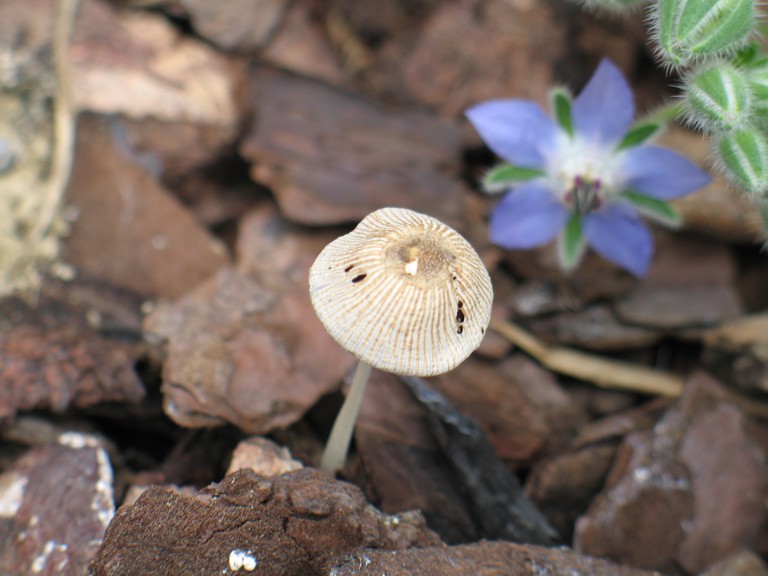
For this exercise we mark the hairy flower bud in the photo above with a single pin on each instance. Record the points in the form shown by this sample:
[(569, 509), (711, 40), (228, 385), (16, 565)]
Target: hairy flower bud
[(719, 98), (744, 154), (689, 29), (758, 85)]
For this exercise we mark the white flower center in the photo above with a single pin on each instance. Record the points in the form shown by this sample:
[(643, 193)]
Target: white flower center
[(584, 175)]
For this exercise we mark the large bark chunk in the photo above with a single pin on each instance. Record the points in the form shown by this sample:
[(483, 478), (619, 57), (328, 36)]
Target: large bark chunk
[(333, 157), (298, 523)]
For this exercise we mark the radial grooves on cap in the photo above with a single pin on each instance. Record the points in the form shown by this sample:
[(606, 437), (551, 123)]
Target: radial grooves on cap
[(396, 320)]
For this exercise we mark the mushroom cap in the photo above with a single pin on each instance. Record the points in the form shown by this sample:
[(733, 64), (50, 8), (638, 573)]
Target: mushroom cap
[(403, 292)]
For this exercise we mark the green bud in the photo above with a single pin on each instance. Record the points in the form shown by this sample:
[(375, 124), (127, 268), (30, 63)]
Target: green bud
[(744, 154), (719, 98), (690, 29), (758, 84)]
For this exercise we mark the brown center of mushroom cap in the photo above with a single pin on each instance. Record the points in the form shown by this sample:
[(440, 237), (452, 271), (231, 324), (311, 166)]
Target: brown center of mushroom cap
[(420, 257)]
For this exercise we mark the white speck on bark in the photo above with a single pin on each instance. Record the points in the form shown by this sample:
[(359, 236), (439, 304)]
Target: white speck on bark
[(103, 500), (242, 559), (12, 486)]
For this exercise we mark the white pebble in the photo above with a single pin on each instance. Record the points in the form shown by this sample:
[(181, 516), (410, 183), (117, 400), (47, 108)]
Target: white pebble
[(242, 559)]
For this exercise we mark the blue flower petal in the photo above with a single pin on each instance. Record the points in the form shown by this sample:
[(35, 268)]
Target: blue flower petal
[(661, 173), (516, 130), (618, 235), (528, 216), (604, 109)]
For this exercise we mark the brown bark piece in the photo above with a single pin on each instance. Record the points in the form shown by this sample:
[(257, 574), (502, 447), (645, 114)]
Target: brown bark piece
[(483, 559), (518, 404), (298, 523), (457, 482), (56, 503), (301, 45), (242, 25), (136, 64), (402, 466), (639, 522), (723, 461), (563, 486), (473, 51), (332, 157), (659, 510), (691, 283), (594, 328), (176, 97), (51, 358), (616, 426), (263, 457), (130, 231), (572, 290), (738, 350), (246, 347), (743, 563)]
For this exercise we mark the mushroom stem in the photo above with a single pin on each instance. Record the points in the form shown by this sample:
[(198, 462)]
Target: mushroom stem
[(335, 453)]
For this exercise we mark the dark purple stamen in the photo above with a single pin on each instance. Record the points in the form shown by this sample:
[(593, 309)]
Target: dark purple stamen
[(584, 195)]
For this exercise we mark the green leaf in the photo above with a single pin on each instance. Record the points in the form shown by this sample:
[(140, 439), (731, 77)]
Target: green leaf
[(658, 210), (571, 244), (504, 176), (561, 104), (640, 133)]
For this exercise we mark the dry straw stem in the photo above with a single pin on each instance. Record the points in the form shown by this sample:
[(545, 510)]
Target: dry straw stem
[(599, 371), (612, 373), (63, 121)]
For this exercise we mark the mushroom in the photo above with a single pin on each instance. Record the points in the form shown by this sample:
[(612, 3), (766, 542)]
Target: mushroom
[(405, 294)]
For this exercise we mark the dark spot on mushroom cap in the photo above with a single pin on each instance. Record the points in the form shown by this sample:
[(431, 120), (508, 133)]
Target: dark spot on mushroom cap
[(348, 268), (459, 316), (461, 304), (359, 277), (460, 330)]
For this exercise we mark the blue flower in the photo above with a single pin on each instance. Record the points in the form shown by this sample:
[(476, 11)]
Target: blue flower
[(585, 177)]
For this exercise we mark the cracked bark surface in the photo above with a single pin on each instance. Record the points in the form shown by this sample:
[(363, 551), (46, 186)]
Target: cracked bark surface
[(297, 523)]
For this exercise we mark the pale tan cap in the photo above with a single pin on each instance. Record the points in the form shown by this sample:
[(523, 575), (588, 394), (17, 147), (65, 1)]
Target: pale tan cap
[(403, 292)]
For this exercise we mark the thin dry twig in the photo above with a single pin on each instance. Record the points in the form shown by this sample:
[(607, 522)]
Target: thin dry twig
[(595, 369), (63, 121), (612, 374)]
